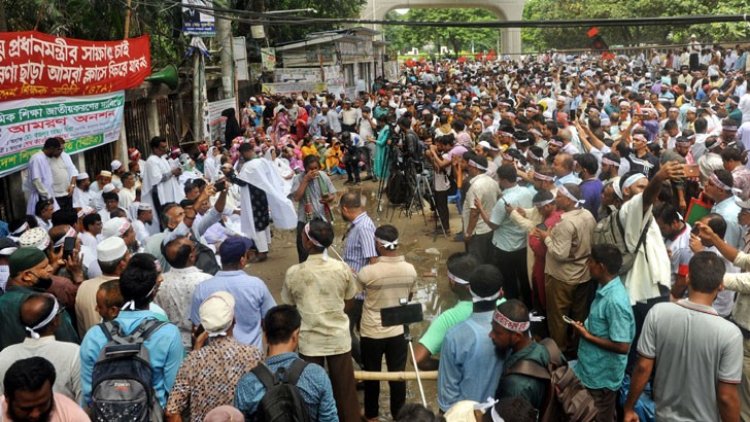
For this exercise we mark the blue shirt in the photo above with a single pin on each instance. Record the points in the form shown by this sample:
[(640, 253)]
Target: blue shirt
[(470, 368), (252, 301), (313, 383), (611, 317), (360, 242), (729, 209), (509, 236), (164, 347)]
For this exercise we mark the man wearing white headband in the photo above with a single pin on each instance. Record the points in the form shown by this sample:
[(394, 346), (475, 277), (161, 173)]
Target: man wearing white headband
[(385, 283), (325, 337), (568, 248), (139, 283), (40, 315), (459, 267), (720, 188), (466, 343), (482, 188), (510, 333)]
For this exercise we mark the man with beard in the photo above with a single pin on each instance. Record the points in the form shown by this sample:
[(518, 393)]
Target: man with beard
[(82, 195), (510, 332), (460, 377), (29, 397), (30, 271)]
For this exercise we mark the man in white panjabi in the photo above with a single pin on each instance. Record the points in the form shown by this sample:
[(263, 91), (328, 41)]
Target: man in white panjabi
[(160, 180)]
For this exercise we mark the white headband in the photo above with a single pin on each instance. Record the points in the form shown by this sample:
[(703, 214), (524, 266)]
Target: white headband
[(616, 188), (543, 177), (721, 185), (476, 298), (21, 229), (391, 246), (316, 242), (606, 160), (61, 241), (543, 203), (563, 190), (45, 321), (457, 280), (130, 305), (632, 179), (474, 164)]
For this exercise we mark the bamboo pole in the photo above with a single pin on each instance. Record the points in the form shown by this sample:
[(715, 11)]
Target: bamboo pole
[(394, 376)]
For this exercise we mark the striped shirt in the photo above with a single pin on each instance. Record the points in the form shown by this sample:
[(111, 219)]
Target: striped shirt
[(359, 244)]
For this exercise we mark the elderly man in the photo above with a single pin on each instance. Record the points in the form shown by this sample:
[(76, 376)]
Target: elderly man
[(567, 274), (563, 167), (160, 180)]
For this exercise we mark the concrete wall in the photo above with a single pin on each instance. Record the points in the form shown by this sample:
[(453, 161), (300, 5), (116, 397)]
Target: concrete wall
[(509, 10)]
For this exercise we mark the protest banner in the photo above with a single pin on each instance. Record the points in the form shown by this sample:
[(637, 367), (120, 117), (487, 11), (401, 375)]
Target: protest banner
[(84, 122), (33, 64)]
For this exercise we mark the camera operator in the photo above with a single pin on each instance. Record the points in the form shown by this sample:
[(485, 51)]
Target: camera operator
[(352, 145), (443, 153)]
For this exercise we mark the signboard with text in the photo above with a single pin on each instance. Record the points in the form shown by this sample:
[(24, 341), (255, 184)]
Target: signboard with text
[(84, 122), (34, 64), (198, 21)]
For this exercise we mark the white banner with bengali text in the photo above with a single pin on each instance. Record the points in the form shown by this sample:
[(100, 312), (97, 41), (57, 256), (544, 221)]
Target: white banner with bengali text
[(84, 122)]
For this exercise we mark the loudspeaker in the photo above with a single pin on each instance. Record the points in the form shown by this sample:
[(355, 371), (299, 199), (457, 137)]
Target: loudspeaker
[(168, 76)]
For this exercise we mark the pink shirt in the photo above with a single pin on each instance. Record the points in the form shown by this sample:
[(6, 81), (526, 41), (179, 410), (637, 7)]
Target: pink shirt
[(64, 410)]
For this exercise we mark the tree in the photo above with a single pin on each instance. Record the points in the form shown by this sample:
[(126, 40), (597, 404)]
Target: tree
[(458, 39), (543, 39)]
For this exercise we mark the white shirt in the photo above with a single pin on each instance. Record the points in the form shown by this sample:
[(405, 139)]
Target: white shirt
[(175, 296), (84, 198), (64, 357), (141, 232)]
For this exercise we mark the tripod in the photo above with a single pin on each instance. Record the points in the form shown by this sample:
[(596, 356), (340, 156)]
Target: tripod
[(421, 188)]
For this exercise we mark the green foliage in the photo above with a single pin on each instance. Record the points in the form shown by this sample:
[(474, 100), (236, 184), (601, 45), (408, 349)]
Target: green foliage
[(280, 33), (404, 37), (542, 39)]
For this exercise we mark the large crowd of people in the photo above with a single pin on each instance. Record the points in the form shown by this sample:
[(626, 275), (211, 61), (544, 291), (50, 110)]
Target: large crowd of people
[(604, 205)]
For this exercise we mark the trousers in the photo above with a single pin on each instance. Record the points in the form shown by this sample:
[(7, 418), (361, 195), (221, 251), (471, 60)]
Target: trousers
[(515, 274), (341, 373), (564, 299), (395, 351)]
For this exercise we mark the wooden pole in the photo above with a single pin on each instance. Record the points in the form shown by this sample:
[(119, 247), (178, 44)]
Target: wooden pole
[(127, 20), (394, 376)]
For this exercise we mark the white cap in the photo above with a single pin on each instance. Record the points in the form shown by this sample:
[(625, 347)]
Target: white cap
[(142, 206), (217, 313), (111, 249), (115, 164), (84, 211), (446, 97), (109, 187), (82, 176), (105, 173), (115, 227)]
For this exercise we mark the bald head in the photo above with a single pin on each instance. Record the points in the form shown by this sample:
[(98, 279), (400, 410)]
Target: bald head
[(180, 252), (35, 309)]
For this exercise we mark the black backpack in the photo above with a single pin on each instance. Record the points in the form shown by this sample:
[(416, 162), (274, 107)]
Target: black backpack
[(609, 230), (283, 400), (121, 385)]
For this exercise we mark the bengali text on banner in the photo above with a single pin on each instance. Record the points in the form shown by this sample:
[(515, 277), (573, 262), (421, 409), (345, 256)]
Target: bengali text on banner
[(84, 122), (34, 64)]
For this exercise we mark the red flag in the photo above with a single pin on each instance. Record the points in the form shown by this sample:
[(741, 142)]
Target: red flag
[(592, 32)]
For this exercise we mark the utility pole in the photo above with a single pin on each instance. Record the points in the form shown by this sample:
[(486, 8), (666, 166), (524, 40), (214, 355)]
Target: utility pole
[(224, 38)]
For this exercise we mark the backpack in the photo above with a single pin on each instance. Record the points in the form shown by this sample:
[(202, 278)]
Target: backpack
[(610, 231), (566, 398), (121, 386), (283, 400)]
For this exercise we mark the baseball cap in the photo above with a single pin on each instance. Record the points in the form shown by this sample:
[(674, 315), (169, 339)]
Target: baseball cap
[(234, 248)]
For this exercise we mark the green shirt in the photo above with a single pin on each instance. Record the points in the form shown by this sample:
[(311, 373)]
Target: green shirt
[(13, 332), (433, 338), (529, 388), (611, 317)]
